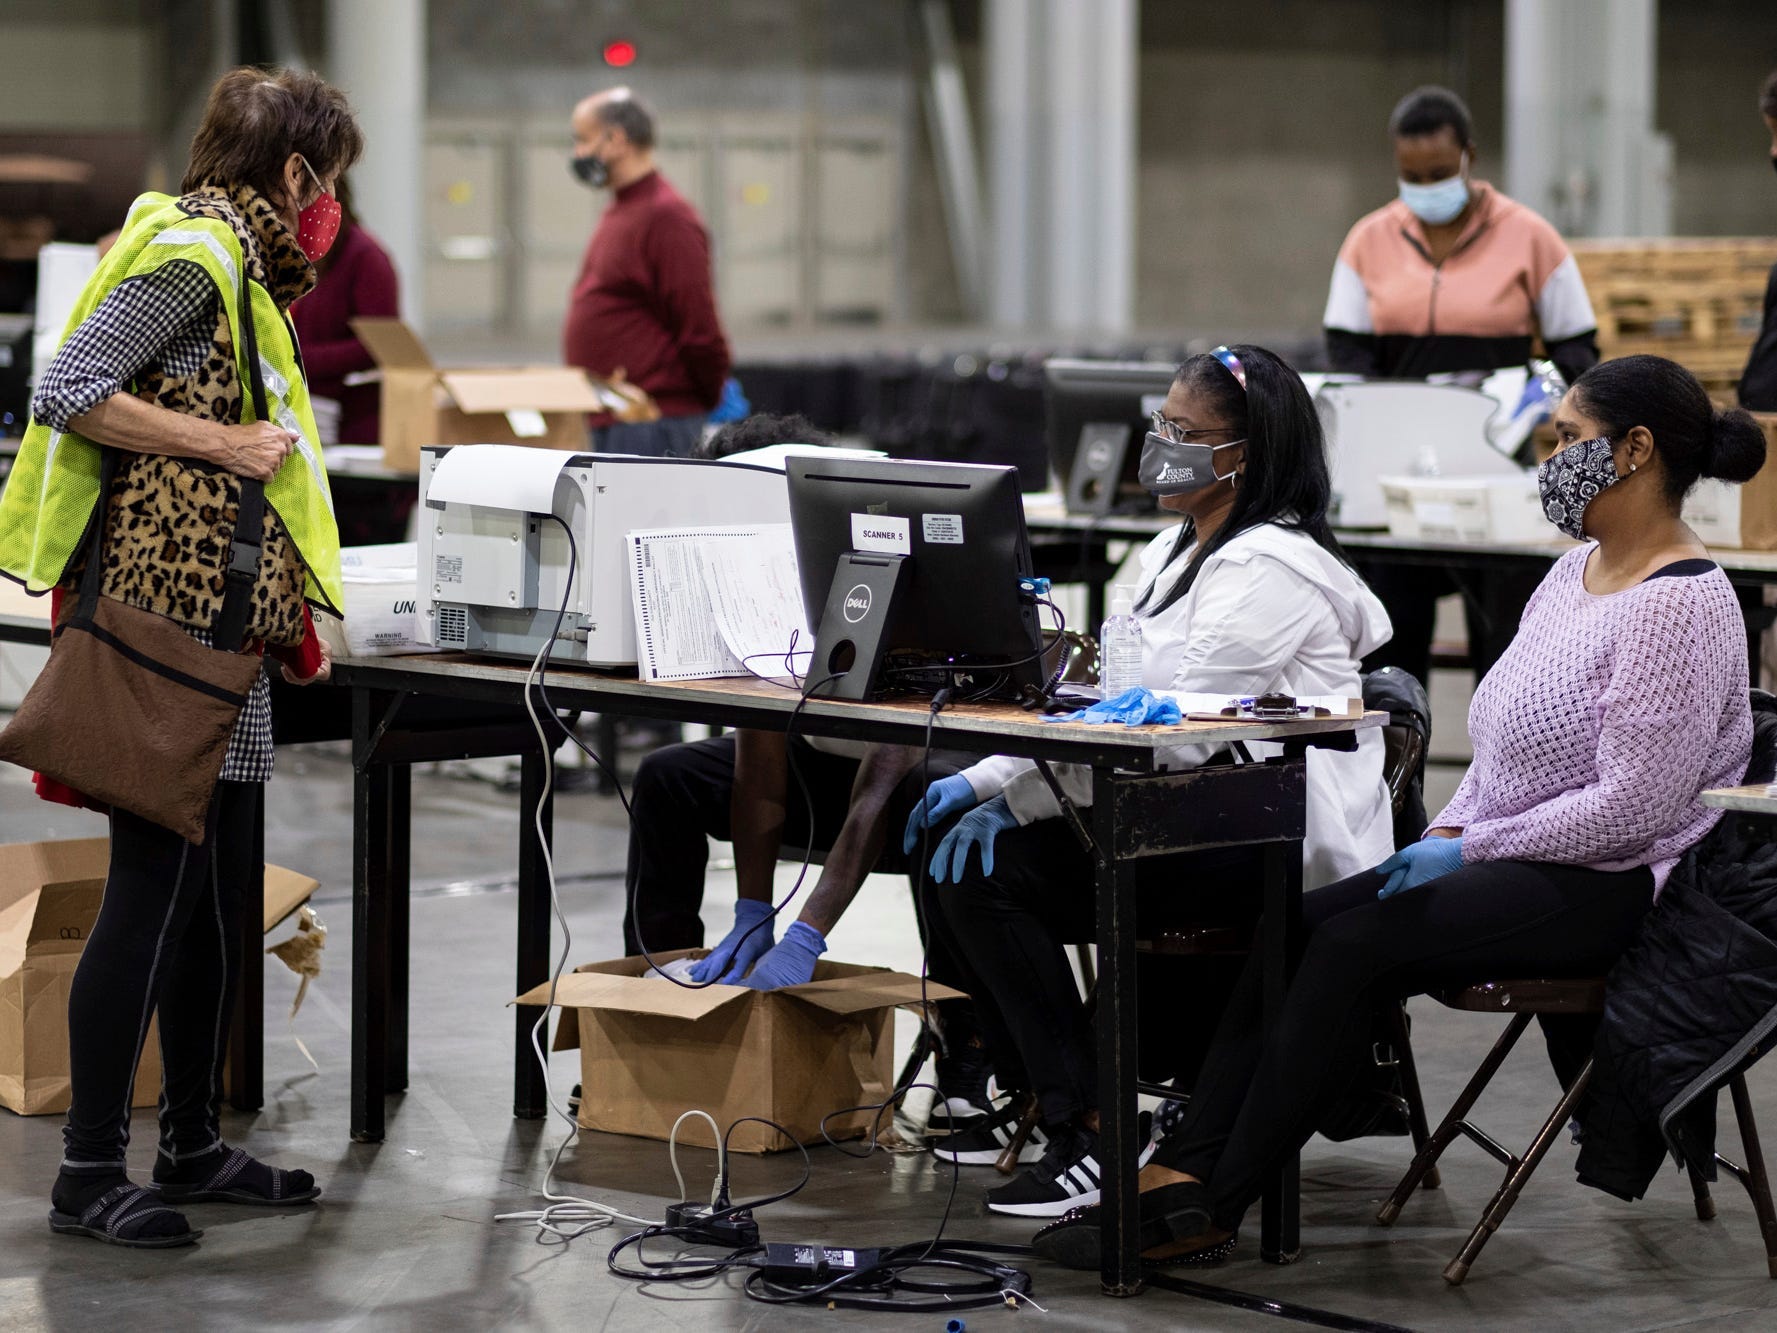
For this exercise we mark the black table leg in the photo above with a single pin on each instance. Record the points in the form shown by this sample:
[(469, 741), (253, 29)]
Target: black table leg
[(371, 892), (400, 903), (246, 1033), (1280, 1225), (529, 1097), (1120, 1264)]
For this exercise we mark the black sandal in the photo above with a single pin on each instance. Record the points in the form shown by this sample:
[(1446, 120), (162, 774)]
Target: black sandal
[(117, 1217), (1171, 1213), (287, 1187)]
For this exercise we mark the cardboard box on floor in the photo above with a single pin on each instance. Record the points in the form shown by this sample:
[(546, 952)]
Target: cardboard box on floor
[(49, 899), (650, 1050), (544, 406)]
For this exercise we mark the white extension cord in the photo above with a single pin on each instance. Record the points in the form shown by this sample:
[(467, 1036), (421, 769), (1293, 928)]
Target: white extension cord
[(567, 1216)]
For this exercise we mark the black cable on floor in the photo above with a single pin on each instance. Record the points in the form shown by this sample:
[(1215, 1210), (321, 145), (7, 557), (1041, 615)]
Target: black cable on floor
[(1266, 1305)]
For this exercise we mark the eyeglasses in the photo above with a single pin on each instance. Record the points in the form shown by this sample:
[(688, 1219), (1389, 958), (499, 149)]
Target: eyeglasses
[(1173, 433), (1231, 361)]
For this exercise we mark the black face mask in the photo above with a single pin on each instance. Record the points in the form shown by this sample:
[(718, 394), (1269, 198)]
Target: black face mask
[(590, 171)]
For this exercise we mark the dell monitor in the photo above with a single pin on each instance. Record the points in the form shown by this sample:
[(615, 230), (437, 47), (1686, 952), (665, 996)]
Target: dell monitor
[(915, 576), (1095, 414)]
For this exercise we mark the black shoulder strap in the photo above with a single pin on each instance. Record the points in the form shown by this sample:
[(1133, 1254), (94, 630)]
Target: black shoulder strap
[(93, 575), (242, 573)]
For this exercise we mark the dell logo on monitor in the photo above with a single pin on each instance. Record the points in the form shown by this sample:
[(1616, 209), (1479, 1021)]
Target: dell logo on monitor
[(857, 603)]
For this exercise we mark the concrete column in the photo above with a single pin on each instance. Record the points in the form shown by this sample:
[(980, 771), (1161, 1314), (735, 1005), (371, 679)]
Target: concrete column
[(1013, 163), (1061, 158), (959, 174), (377, 54), (1117, 67), (1070, 146), (1580, 143)]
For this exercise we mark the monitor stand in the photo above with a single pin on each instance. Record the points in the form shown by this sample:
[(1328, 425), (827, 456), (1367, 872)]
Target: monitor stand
[(853, 634)]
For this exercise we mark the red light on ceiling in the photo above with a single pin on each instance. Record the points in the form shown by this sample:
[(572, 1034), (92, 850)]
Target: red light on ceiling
[(620, 54)]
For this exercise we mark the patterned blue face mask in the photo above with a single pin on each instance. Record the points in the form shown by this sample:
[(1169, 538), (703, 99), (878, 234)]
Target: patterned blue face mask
[(1439, 202), (1572, 479)]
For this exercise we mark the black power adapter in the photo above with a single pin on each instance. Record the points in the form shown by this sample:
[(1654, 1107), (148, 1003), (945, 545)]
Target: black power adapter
[(813, 1265), (734, 1230)]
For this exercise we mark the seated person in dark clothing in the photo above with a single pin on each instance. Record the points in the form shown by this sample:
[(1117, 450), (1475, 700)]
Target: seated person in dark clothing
[(840, 799)]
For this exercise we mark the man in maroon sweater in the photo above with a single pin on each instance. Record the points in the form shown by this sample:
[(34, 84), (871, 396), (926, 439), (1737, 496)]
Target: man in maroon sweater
[(643, 303)]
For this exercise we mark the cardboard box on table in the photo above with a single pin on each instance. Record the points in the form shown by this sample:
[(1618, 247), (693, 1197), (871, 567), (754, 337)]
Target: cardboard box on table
[(650, 1050), (49, 899), (545, 406)]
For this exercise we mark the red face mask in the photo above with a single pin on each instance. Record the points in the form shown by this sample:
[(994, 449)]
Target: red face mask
[(318, 224)]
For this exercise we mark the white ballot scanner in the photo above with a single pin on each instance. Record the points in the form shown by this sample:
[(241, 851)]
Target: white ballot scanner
[(493, 569), (1387, 428)]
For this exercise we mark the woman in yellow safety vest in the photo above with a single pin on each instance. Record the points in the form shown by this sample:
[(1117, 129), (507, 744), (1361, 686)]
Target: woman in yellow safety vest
[(155, 366)]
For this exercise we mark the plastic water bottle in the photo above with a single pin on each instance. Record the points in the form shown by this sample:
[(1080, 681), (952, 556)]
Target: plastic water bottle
[(1119, 645)]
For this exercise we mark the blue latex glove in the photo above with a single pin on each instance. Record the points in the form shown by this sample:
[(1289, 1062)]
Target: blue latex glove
[(1421, 863), (732, 952), (791, 963), (1133, 708), (732, 405), (978, 828), (942, 799)]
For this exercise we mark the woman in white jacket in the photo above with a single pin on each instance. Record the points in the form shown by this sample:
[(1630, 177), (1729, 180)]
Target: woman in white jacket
[(1250, 595)]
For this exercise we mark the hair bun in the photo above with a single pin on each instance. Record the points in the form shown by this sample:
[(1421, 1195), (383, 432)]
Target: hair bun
[(1736, 446)]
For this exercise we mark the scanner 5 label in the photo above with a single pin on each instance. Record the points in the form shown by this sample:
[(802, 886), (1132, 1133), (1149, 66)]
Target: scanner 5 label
[(881, 532)]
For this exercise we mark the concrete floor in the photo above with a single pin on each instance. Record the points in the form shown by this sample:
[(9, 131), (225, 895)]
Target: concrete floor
[(406, 1238)]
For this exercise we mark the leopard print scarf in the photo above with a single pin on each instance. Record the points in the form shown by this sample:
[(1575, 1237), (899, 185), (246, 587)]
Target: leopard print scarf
[(170, 521)]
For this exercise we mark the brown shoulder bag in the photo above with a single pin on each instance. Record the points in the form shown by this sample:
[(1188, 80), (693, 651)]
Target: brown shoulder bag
[(130, 710)]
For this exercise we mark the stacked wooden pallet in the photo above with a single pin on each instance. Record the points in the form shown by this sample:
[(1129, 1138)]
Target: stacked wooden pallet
[(1697, 300)]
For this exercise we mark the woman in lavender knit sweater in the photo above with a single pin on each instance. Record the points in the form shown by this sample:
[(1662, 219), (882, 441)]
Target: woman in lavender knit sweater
[(1622, 698)]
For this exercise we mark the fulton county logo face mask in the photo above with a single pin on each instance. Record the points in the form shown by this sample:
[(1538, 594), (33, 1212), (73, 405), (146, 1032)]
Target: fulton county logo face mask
[(1572, 479), (1173, 467)]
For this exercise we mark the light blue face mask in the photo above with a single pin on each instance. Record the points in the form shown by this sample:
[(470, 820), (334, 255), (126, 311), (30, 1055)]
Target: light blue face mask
[(1439, 202)]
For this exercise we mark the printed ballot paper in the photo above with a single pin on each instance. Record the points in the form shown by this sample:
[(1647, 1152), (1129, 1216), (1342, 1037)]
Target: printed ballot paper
[(717, 601)]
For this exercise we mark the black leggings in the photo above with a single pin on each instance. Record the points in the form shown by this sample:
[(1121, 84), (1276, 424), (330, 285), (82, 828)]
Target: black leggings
[(679, 801), (167, 941), (1004, 935), (1258, 1101)]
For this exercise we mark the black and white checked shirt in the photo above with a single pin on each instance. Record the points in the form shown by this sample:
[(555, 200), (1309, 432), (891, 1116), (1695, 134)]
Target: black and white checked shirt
[(162, 321)]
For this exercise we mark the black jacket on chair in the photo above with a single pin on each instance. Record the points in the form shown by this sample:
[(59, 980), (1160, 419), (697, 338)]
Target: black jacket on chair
[(1692, 1003)]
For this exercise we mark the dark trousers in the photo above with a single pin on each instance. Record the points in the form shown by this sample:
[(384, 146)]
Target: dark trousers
[(167, 941), (679, 801), (1005, 935), (1256, 1102)]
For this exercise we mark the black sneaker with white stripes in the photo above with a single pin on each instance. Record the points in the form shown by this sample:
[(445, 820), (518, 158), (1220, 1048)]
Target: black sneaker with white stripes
[(982, 1142), (1066, 1178)]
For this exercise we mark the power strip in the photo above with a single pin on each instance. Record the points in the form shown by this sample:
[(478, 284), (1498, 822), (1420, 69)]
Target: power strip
[(732, 1230)]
